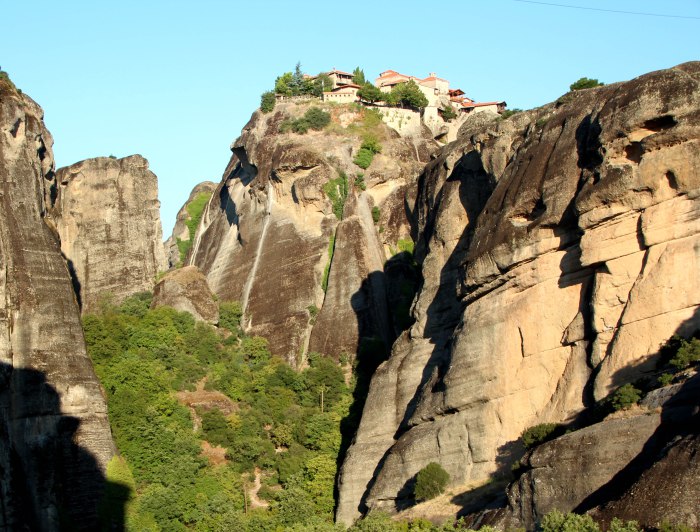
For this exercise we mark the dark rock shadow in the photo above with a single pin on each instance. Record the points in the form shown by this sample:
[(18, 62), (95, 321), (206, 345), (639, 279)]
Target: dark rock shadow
[(680, 416), (74, 280), (47, 482)]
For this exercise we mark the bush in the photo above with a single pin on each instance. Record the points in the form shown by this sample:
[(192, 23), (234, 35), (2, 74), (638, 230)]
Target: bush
[(267, 101), (371, 143), (687, 354), (665, 379), (510, 112), (556, 521), (363, 158), (585, 83), (430, 481), (448, 113), (624, 397), (314, 118), (317, 119), (230, 314), (376, 213), (370, 93), (539, 434)]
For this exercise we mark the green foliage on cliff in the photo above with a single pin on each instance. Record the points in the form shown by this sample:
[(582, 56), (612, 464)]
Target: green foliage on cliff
[(337, 192), (195, 210), (267, 101), (368, 149), (285, 423), (624, 397), (541, 433), (430, 481), (407, 94), (370, 93), (585, 83), (314, 118)]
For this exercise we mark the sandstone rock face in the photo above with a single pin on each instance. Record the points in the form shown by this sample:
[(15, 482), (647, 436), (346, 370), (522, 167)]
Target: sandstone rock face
[(563, 473), (180, 230), (559, 249), (186, 290), (264, 237), (108, 218), (55, 438)]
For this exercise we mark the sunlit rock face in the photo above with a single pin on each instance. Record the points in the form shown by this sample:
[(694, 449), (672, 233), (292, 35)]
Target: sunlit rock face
[(265, 236), (108, 217), (55, 439), (559, 249)]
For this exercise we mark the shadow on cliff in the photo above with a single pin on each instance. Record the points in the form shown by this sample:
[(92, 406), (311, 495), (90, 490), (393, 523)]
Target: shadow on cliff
[(444, 312), (48, 482), (680, 416)]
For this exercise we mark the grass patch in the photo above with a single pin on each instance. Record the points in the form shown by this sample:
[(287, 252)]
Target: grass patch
[(337, 192)]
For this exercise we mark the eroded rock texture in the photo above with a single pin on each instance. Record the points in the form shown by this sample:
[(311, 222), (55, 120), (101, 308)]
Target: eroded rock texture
[(186, 290), (264, 237), (108, 217), (55, 438), (559, 249)]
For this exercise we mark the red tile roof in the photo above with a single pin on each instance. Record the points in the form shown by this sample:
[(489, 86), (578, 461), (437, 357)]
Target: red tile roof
[(481, 104), (334, 71)]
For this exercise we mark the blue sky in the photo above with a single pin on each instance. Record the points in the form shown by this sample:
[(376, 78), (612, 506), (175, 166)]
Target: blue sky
[(176, 81)]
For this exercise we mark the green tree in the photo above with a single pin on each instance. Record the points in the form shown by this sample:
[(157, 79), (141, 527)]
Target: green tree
[(370, 93), (430, 481), (317, 118), (267, 101), (284, 84), (297, 80), (358, 76), (624, 397), (541, 433), (556, 521), (585, 83), (448, 113), (407, 94)]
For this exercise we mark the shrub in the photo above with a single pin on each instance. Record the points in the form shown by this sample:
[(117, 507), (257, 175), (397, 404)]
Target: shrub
[(371, 143), (665, 379), (317, 119), (510, 112), (585, 83), (448, 113), (267, 101), (314, 118), (430, 481), (407, 94), (556, 521), (618, 525), (337, 192), (624, 397), (376, 213), (688, 353), (363, 158), (230, 314), (360, 181), (539, 434)]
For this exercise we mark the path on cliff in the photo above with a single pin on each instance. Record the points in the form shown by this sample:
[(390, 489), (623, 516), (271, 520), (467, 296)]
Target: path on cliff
[(253, 499)]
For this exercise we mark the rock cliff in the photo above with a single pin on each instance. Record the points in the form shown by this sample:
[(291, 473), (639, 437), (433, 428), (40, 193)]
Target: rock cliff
[(108, 217), (293, 215), (559, 249), (55, 438), (186, 290), (181, 231)]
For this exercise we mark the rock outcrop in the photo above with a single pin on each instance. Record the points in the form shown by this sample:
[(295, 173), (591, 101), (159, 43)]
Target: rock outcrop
[(186, 290), (269, 236), (108, 217), (559, 249), (55, 439), (181, 230)]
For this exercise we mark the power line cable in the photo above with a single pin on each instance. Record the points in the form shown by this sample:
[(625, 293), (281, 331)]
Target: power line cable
[(609, 10)]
